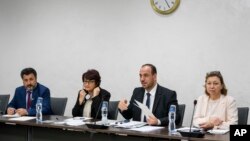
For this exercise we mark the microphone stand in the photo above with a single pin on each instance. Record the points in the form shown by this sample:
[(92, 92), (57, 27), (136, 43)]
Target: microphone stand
[(195, 102), (190, 133)]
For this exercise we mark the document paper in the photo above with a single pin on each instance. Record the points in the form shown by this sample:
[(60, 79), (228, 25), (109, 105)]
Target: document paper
[(144, 109)]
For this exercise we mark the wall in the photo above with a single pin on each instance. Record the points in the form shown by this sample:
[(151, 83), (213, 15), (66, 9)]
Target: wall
[(61, 39)]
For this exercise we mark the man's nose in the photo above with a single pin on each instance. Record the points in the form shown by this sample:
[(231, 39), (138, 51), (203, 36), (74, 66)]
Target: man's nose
[(142, 78), (29, 82)]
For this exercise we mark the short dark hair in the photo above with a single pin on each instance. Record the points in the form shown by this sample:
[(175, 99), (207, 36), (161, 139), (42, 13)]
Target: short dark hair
[(27, 71), (217, 74), (92, 74), (153, 68)]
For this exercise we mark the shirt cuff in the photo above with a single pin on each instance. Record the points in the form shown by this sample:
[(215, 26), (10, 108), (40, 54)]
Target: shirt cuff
[(159, 122)]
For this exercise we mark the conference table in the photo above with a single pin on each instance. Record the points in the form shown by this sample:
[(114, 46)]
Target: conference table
[(11, 130)]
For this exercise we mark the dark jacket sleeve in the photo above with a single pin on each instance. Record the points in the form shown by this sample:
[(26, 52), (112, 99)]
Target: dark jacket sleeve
[(77, 109), (13, 102), (172, 100), (132, 111)]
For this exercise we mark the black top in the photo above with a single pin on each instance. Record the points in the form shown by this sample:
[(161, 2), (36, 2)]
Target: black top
[(104, 95)]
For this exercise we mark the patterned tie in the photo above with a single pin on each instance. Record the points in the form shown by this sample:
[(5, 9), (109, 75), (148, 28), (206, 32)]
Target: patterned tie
[(28, 100), (147, 104)]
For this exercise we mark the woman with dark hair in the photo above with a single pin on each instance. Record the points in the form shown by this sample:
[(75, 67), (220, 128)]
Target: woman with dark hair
[(215, 109), (91, 96)]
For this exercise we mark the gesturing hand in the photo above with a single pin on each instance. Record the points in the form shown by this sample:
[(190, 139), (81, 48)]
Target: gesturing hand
[(123, 105)]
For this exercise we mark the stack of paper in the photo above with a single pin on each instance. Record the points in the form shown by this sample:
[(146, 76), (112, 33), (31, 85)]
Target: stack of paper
[(131, 124), (74, 121), (12, 116), (147, 128), (24, 118), (218, 131)]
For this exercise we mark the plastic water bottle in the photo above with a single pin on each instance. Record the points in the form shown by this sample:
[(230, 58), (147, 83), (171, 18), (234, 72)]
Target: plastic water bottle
[(171, 118), (104, 112), (39, 106)]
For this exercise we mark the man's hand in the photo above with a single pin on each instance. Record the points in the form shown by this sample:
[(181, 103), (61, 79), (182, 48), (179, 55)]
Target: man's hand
[(123, 105), (152, 120), (11, 111), (22, 112)]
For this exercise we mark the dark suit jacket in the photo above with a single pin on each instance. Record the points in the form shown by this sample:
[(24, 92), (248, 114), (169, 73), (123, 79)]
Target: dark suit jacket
[(163, 99), (104, 95), (19, 99)]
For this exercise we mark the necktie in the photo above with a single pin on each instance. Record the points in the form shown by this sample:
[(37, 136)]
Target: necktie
[(147, 104), (28, 100)]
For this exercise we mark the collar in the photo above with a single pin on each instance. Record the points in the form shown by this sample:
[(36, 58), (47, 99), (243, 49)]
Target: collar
[(153, 91)]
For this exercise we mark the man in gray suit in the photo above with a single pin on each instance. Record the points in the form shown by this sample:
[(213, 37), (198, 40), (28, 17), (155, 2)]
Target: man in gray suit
[(157, 98)]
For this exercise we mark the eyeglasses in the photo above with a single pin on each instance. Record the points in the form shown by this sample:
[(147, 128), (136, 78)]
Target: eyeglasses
[(88, 81)]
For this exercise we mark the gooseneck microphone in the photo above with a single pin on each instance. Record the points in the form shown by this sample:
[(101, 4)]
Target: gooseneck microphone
[(191, 124), (194, 133)]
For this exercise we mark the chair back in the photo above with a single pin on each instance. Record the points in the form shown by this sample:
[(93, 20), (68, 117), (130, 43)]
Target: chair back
[(243, 115), (113, 110), (58, 105), (4, 100), (182, 112)]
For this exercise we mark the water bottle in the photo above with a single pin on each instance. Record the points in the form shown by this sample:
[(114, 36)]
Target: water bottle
[(104, 112), (171, 118), (39, 106)]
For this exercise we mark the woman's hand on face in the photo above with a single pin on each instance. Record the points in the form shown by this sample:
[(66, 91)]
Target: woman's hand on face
[(81, 96), (96, 91)]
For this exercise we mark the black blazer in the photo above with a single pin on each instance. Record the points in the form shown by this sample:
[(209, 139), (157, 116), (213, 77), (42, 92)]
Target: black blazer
[(104, 95), (163, 99)]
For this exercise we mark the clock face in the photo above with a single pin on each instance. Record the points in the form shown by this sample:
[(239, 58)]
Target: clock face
[(165, 6)]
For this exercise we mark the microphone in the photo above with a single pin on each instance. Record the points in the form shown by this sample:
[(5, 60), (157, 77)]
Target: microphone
[(191, 124), (194, 133), (97, 126)]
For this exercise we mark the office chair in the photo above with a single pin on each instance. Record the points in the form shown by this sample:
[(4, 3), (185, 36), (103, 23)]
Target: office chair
[(58, 105), (4, 100), (182, 112), (113, 110), (242, 115)]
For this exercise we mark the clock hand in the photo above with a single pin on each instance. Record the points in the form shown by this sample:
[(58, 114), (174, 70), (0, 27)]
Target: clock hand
[(167, 3)]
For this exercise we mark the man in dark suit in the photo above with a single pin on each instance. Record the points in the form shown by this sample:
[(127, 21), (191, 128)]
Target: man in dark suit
[(25, 97), (156, 97)]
